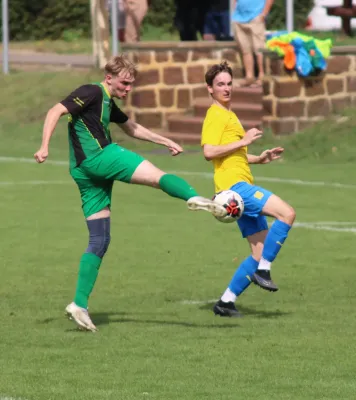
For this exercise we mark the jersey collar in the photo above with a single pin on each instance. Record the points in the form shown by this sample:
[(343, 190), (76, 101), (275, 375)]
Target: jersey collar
[(106, 90)]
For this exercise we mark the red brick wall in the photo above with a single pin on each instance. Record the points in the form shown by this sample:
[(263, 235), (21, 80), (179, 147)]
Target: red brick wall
[(171, 76)]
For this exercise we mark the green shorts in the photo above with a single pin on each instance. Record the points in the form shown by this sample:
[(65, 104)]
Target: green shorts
[(95, 176)]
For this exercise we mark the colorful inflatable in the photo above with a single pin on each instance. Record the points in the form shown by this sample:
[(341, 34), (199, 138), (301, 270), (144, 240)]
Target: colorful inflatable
[(305, 54)]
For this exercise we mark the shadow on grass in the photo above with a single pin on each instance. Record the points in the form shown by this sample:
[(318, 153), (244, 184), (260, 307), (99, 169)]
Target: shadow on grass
[(246, 311), (106, 318)]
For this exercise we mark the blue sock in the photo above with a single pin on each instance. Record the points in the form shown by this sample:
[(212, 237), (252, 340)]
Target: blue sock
[(242, 277), (274, 240)]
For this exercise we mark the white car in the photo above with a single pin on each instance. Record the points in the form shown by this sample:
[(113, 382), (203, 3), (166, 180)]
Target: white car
[(319, 20)]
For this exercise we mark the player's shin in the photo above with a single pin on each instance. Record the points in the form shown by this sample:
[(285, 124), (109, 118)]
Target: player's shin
[(99, 239), (241, 279), (175, 186), (178, 187), (273, 243), (274, 240)]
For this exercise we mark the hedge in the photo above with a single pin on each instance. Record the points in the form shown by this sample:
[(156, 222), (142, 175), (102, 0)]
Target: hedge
[(53, 19), (48, 19)]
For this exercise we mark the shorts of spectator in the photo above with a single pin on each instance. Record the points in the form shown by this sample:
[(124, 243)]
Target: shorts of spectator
[(217, 25), (250, 36)]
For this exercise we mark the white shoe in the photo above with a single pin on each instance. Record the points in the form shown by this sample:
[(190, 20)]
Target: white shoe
[(201, 203), (81, 317)]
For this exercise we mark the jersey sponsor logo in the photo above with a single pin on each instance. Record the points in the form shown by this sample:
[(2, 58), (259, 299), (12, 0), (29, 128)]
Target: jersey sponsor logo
[(258, 195)]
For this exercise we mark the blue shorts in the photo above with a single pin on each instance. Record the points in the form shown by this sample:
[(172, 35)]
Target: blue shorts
[(254, 197), (218, 24)]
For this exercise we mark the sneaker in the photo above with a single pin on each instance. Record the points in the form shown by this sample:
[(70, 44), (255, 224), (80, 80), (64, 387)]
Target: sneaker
[(226, 309), (262, 278), (201, 203), (81, 317)]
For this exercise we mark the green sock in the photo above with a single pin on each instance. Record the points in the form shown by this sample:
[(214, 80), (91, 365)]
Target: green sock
[(176, 187), (88, 272)]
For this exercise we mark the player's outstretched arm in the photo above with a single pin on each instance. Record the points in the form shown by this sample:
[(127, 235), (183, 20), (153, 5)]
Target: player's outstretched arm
[(49, 126), (266, 156), (218, 151), (137, 131)]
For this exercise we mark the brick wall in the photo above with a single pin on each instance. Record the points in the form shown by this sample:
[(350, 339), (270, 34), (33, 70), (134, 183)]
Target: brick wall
[(292, 103), (171, 75)]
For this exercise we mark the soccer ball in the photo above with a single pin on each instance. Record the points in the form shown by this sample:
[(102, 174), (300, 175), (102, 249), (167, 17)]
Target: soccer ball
[(233, 204)]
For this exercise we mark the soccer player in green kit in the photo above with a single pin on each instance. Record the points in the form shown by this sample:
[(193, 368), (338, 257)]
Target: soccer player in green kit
[(96, 162)]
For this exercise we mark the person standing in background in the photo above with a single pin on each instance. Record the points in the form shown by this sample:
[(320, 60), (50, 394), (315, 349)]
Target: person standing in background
[(136, 11), (217, 21), (189, 18), (249, 29)]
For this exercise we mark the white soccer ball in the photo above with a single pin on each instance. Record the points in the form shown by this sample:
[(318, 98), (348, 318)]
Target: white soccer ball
[(233, 204)]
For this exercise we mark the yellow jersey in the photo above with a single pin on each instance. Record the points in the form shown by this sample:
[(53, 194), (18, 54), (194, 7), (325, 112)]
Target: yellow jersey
[(223, 127)]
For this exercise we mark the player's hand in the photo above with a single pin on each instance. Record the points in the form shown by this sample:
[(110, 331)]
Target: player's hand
[(41, 155), (252, 135), (270, 155), (174, 148)]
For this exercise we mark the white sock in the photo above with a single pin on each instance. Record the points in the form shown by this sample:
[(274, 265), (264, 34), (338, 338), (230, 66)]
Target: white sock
[(228, 296), (264, 264)]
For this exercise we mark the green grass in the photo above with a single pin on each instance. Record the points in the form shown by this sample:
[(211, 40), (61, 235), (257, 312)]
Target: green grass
[(297, 344)]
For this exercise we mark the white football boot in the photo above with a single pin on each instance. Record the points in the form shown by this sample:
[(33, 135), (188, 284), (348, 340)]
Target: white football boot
[(201, 203), (81, 317)]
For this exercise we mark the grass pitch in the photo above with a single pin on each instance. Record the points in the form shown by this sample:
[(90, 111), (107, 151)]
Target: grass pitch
[(158, 338)]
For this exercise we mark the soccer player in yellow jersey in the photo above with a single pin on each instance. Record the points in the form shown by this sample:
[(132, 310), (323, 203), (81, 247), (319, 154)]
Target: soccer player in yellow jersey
[(225, 142)]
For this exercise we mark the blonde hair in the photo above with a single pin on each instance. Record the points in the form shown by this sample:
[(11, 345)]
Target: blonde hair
[(119, 64)]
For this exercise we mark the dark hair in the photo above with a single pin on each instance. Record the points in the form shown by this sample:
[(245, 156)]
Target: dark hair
[(215, 70)]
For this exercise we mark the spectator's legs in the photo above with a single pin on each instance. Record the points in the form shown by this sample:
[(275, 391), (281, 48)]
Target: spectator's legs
[(247, 59), (258, 30), (185, 22), (243, 37), (135, 13), (210, 27)]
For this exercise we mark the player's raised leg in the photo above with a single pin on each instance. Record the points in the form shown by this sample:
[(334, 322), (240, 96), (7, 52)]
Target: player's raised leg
[(148, 174), (277, 234)]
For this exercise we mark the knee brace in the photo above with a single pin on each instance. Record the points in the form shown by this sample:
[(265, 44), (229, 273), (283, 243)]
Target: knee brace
[(99, 236)]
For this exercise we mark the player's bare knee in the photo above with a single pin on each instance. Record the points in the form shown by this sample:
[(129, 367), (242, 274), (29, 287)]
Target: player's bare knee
[(99, 236), (156, 178), (288, 215), (147, 174)]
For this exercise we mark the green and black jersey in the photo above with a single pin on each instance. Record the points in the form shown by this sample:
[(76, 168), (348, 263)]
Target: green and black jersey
[(91, 110)]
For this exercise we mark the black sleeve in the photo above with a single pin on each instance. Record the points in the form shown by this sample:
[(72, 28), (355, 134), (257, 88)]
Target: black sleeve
[(117, 115), (81, 98)]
